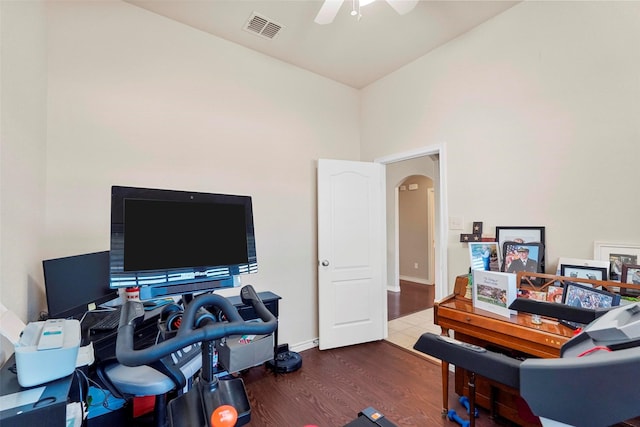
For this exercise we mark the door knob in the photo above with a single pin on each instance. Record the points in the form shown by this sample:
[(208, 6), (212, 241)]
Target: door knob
[(325, 263)]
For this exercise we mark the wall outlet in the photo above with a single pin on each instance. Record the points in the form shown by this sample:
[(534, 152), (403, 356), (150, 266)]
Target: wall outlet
[(415, 265)]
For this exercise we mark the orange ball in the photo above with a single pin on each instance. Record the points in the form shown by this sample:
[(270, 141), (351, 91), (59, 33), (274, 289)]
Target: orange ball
[(224, 416)]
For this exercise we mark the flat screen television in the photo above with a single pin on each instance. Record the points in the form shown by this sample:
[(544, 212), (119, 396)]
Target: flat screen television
[(172, 242), (76, 284)]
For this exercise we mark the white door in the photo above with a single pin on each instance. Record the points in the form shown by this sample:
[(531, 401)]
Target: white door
[(352, 296)]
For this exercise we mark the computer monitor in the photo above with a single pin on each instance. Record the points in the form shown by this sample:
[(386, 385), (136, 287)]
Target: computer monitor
[(76, 284), (172, 242)]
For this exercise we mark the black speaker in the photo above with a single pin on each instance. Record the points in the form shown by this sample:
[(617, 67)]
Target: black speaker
[(557, 310)]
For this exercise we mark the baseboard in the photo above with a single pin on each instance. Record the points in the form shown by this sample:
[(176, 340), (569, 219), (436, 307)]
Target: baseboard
[(415, 280), (304, 345)]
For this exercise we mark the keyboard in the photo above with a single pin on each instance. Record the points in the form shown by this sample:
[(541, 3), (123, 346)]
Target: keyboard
[(108, 321)]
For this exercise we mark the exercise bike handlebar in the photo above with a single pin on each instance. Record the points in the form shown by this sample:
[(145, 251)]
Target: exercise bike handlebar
[(133, 313)]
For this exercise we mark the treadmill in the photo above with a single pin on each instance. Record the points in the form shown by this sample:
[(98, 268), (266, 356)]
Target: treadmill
[(594, 383)]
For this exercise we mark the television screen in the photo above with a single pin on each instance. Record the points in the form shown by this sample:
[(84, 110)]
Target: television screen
[(76, 284), (178, 242)]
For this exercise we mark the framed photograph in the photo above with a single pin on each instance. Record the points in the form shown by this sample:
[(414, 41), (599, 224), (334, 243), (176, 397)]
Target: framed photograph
[(617, 254), (522, 257), (583, 272), (631, 275), (494, 291), (484, 256), (530, 294), (523, 234), (576, 295), (582, 262), (555, 293)]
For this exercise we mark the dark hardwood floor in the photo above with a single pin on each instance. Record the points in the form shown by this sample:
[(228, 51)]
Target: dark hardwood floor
[(413, 297), (334, 385)]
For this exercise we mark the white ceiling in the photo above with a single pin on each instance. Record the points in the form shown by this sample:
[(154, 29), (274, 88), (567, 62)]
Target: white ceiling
[(351, 51)]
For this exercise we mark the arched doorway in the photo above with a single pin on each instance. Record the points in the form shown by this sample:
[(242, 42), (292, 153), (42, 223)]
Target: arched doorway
[(415, 247)]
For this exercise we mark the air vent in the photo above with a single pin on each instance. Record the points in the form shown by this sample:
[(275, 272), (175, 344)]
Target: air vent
[(262, 26)]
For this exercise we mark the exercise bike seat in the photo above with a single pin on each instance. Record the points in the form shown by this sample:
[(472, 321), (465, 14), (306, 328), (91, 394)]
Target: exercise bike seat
[(146, 381)]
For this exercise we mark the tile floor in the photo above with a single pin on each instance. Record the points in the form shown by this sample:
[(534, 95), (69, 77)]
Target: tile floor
[(405, 331)]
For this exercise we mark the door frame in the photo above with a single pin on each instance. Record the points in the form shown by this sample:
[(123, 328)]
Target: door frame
[(441, 238), (431, 259)]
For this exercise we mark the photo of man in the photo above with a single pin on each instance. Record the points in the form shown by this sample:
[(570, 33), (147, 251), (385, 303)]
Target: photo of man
[(484, 256), (523, 262)]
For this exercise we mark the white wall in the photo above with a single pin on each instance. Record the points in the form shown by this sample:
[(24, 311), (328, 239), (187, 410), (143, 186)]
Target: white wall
[(415, 239), (137, 99), (544, 96), (539, 111), (22, 154)]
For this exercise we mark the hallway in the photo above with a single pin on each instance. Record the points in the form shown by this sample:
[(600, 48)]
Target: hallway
[(410, 314)]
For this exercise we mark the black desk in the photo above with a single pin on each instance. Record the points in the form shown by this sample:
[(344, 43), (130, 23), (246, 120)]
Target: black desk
[(50, 409)]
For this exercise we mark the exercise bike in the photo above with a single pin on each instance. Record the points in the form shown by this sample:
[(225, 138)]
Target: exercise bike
[(210, 399)]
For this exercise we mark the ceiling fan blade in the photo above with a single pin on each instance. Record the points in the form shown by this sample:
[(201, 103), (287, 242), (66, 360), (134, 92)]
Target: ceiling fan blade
[(328, 11), (402, 6)]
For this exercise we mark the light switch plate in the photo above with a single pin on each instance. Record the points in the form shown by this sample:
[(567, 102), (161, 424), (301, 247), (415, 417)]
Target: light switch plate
[(456, 223)]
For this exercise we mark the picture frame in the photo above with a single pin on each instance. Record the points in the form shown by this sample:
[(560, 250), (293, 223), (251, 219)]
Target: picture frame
[(577, 295), (484, 256), (617, 254), (511, 251), (582, 262), (494, 291), (583, 272), (522, 234), (630, 275)]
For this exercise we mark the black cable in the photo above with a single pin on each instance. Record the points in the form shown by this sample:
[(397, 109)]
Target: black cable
[(105, 400)]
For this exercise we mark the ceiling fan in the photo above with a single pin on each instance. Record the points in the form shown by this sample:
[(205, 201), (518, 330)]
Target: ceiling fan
[(330, 8)]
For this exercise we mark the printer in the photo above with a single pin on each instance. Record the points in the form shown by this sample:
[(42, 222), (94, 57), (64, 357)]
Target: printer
[(47, 351)]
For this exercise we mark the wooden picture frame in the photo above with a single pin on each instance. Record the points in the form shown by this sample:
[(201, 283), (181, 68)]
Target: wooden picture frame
[(630, 275), (522, 234)]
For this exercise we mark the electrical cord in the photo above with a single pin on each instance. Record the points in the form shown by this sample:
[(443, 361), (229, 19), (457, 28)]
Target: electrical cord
[(594, 349), (88, 382)]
